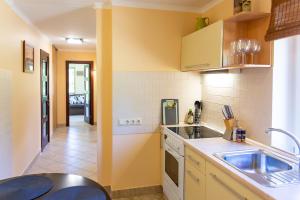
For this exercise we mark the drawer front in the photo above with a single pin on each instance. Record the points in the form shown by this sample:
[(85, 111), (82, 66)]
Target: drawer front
[(194, 183), (195, 160), (228, 188)]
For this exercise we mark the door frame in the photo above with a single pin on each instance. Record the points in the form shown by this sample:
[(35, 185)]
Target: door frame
[(91, 63), (42, 55)]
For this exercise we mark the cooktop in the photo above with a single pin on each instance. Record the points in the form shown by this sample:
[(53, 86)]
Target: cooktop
[(195, 132)]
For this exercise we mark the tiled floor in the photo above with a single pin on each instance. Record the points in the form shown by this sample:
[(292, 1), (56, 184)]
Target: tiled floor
[(144, 197), (71, 150), (74, 150)]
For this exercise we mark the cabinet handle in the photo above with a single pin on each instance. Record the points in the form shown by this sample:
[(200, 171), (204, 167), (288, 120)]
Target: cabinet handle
[(194, 160), (238, 195), (193, 176)]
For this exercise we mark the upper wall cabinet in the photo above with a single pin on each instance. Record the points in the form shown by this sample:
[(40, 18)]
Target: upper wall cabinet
[(203, 49), (235, 42)]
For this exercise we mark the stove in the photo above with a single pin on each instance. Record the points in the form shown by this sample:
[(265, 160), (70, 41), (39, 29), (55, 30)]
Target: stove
[(195, 132)]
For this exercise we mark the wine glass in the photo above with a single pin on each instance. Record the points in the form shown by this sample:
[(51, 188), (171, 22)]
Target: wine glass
[(233, 51), (243, 47), (255, 48)]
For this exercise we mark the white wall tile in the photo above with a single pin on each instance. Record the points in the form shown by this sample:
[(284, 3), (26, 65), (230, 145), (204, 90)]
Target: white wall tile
[(139, 94), (250, 95)]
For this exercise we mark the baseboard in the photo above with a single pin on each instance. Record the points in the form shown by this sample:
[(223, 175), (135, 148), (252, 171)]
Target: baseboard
[(136, 191), (31, 163), (60, 125), (108, 189)]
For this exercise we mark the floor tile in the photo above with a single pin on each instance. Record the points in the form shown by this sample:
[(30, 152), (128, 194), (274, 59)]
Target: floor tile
[(71, 150)]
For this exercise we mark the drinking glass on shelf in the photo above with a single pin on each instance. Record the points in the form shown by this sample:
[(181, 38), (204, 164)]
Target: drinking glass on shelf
[(233, 52), (243, 47), (255, 48)]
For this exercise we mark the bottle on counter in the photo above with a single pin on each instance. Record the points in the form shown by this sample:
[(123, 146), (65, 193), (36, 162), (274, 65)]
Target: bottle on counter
[(238, 134), (235, 129), (190, 117)]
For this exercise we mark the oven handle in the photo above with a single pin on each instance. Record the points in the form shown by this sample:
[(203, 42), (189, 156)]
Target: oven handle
[(172, 152)]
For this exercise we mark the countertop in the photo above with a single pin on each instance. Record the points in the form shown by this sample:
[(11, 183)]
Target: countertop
[(207, 147)]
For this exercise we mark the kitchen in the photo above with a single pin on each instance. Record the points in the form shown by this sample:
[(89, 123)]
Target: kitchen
[(149, 53)]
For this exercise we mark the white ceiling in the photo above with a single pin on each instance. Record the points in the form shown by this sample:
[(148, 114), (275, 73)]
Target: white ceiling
[(59, 19)]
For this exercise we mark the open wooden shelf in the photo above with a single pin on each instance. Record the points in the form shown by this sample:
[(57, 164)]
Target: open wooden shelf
[(232, 67), (247, 16)]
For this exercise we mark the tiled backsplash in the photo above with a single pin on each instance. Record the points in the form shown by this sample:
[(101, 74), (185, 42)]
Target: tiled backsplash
[(250, 95), (139, 94)]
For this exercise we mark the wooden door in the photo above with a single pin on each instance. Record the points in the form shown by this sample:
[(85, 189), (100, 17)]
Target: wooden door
[(87, 100), (89, 91), (45, 103)]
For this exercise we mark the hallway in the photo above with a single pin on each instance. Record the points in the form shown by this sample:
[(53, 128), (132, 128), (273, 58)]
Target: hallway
[(71, 150)]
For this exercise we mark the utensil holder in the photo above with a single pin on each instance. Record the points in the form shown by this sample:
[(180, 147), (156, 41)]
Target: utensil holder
[(229, 124)]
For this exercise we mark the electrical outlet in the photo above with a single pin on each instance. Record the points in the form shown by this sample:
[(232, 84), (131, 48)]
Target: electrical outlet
[(130, 122)]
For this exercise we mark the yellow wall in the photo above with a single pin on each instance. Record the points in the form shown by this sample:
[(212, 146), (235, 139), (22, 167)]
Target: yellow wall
[(149, 40), (54, 87), (26, 111), (144, 40), (104, 100), (62, 57), (222, 10)]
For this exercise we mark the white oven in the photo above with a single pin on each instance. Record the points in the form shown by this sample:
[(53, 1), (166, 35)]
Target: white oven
[(173, 167)]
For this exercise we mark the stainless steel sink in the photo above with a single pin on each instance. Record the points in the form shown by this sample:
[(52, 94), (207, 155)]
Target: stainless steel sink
[(263, 167)]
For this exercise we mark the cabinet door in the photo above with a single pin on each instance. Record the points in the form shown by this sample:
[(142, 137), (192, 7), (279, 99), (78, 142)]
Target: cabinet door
[(221, 186), (203, 49), (194, 183)]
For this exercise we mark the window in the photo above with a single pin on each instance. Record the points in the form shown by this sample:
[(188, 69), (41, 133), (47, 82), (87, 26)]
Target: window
[(286, 92)]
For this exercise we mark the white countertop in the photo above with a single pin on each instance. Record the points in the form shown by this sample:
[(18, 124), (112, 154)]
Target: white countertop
[(207, 147)]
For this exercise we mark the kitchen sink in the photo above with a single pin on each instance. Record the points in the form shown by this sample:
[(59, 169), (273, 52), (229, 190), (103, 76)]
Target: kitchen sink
[(265, 168)]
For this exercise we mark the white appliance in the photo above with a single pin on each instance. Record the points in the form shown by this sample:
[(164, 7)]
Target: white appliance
[(173, 161), (173, 166)]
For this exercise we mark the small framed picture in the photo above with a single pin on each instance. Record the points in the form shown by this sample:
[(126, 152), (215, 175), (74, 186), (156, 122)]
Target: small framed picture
[(28, 58)]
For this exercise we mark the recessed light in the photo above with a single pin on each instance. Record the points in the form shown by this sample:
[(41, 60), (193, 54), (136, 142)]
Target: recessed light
[(74, 40)]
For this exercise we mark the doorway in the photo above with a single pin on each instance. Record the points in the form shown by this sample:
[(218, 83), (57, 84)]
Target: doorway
[(45, 101), (79, 92)]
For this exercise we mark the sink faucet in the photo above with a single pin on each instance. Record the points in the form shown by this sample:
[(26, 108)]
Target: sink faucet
[(296, 140)]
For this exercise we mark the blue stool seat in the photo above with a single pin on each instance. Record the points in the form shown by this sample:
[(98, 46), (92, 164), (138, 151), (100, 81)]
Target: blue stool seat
[(78, 193), (25, 187)]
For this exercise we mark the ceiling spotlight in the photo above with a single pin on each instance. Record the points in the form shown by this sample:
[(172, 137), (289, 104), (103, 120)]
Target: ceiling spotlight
[(74, 40)]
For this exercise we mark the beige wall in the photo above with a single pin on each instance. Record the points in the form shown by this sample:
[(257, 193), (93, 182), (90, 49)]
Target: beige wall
[(54, 87), (104, 89), (62, 57), (149, 40), (144, 40), (26, 111)]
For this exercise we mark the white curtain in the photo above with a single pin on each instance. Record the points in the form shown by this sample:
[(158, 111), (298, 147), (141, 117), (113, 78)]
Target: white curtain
[(286, 91)]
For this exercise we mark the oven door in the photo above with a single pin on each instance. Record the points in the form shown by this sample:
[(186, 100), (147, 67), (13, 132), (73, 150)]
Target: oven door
[(173, 174)]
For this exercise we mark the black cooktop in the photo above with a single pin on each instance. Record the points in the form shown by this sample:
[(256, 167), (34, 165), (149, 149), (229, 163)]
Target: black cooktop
[(195, 132)]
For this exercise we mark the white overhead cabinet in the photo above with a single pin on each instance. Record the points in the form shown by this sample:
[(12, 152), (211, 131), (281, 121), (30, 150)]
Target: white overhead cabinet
[(203, 49)]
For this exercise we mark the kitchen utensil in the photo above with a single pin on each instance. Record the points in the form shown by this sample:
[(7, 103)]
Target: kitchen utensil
[(202, 22), (229, 123), (224, 113), (170, 111)]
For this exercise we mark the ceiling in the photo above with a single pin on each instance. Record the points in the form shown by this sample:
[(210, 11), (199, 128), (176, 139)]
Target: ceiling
[(59, 19)]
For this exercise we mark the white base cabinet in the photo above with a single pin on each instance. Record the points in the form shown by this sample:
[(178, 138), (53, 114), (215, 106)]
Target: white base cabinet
[(194, 183), (214, 184)]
